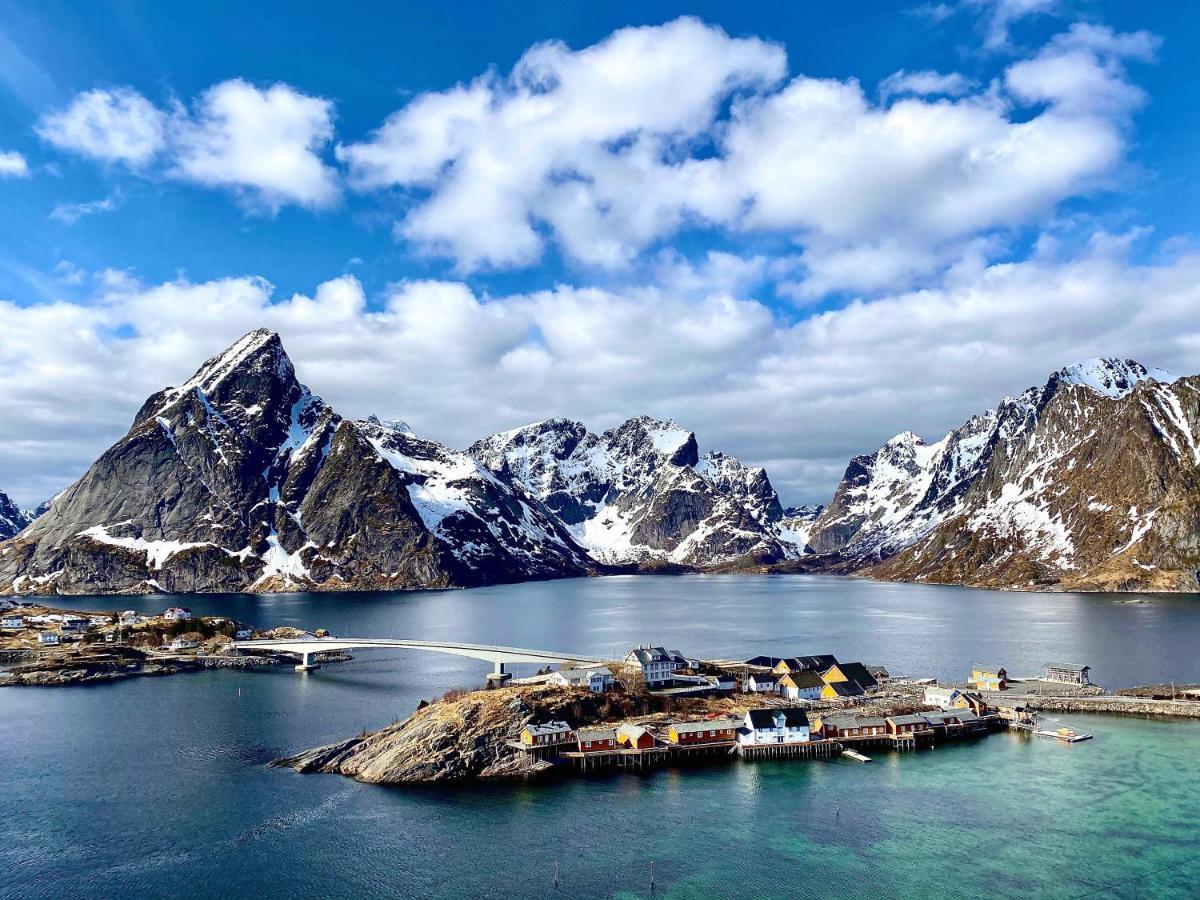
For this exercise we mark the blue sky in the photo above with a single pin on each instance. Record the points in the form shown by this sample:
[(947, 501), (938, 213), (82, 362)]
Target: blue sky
[(695, 217)]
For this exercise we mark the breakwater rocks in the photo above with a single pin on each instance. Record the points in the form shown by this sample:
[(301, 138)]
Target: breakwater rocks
[(1121, 705)]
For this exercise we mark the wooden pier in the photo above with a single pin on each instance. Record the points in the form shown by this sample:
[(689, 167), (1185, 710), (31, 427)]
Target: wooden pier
[(803, 750)]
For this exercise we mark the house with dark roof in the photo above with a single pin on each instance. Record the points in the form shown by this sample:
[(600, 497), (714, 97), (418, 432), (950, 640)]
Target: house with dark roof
[(841, 690), (817, 663), (657, 664), (804, 684), (774, 726)]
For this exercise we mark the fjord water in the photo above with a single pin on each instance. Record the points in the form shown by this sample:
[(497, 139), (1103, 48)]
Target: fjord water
[(159, 787)]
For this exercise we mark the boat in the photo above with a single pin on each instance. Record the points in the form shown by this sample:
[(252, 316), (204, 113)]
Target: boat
[(855, 755)]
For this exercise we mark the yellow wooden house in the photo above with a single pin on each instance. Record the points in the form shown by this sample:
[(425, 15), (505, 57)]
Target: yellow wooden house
[(989, 678)]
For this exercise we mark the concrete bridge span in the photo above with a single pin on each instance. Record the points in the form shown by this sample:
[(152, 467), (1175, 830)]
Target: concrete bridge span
[(307, 647)]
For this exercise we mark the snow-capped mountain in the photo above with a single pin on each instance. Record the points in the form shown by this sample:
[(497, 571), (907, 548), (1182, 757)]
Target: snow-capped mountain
[(12, 517), (1088, 482), (243, 479), (641, 493)]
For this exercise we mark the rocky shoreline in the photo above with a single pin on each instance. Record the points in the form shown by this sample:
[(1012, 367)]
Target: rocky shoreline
[(1117, 705)]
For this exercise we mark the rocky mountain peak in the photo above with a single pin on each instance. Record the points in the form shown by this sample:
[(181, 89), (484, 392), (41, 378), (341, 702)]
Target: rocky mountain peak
[(12, 517), (644, 435), (1108, 376)]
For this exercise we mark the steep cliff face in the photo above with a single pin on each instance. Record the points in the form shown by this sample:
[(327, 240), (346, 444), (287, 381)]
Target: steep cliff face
[(641, 493), (1087, 482), (242, 479), (12, 517), (1100, 492)]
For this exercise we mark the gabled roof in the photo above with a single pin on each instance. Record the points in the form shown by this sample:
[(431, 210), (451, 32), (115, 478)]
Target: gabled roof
[(845, 688), (806, 678), (766, 718), (856, 671), (632, 731), (909, 719), (879, 672), (598, 733), (555, 727), (764, 676), (819, 662), (766, 662), (980, 667)]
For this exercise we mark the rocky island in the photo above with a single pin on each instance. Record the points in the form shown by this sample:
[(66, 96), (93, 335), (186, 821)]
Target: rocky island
[(44, 645)]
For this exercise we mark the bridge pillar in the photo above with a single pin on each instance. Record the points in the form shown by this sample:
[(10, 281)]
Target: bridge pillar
[(307, 665), (498, 676)]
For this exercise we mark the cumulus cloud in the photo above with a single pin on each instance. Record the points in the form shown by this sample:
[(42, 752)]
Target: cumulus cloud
[(264, 144), (266, 141), (801, 397), (575, 139), (609, 149), (113, 126), (13, 165)]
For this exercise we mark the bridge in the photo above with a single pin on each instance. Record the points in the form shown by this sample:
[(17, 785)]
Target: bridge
[(307, 647)]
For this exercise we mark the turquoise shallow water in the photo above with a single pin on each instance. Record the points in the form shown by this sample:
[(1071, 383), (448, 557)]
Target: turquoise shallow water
[(159, 787)]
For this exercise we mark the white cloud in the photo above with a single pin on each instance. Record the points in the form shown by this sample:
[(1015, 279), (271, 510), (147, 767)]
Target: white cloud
[(612, 148), (264, 144), (1000, 15), (70, 213), (113, 126), (576, 139), (265, 141), (1080, 72), (13, 165), (802, 396), (924, 83)]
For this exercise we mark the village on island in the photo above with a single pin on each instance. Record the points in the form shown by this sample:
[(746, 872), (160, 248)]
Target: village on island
[(808, 707), (672, 707)]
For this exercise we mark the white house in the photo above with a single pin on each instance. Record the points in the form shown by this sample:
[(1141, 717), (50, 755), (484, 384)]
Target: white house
[(657, 664), (774, 726), (759, 683), (129, 617), (177, 613), (12, 622), (943, 697), (48, 638), (182, 643), (73, 623), (597, 679), (801, 685)]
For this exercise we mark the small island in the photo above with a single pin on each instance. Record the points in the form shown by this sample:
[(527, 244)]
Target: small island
[(657, 708), (48, 646)]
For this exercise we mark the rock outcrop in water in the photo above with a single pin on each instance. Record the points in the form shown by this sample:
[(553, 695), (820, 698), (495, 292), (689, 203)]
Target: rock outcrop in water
[(461, 738)]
